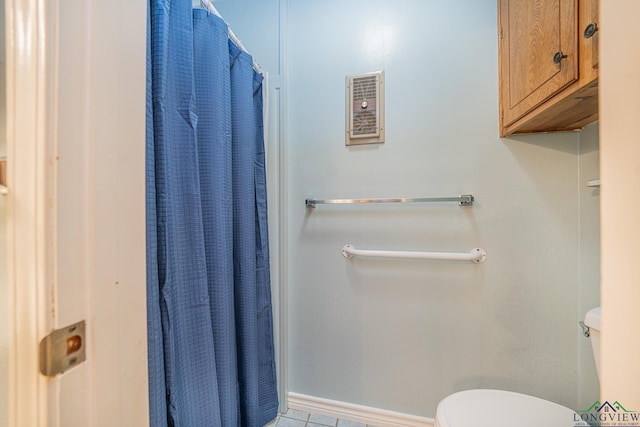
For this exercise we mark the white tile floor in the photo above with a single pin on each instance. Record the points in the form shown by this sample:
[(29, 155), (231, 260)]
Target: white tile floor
[(295, 418)]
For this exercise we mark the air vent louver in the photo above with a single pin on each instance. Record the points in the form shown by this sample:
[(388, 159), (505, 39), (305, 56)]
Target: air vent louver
[(364, 88), (365, 109), (364, 123)]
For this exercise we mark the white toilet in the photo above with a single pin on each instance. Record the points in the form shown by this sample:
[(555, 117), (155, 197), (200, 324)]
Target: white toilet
[(498, 408)]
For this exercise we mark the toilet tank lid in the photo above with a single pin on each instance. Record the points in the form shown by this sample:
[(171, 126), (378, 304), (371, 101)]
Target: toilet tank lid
[(592, 319)]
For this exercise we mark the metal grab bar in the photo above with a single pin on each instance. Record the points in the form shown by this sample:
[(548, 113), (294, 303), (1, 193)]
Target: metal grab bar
[(463, 200), (476, 255)]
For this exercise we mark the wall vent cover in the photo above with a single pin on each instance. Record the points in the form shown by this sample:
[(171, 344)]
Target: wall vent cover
[(365, 108)]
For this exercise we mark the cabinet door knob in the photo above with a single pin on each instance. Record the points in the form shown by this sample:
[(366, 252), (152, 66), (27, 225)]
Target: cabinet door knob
[(590, 30), (558, 57)]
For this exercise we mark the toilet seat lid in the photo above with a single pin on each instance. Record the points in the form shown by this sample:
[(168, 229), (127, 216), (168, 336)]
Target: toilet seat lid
[(499, 408)]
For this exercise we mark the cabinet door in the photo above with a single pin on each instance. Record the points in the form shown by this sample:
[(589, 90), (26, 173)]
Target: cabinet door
[(532, 34), (593, 12)]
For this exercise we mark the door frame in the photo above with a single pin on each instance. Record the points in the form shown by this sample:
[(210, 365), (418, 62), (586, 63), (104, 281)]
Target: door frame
[(30, 209), (75, 207)]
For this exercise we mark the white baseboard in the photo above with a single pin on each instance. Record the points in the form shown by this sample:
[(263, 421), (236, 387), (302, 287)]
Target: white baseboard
[(358, 413)]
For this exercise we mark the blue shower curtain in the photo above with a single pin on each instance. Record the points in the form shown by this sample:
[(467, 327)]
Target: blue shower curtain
[(210, 327)]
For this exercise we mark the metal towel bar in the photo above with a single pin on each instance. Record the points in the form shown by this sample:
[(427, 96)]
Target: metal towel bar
[(463, 200)]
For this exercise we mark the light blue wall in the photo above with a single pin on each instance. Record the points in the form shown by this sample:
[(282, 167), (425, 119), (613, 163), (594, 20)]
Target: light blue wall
[(401, 335), (256, 23)]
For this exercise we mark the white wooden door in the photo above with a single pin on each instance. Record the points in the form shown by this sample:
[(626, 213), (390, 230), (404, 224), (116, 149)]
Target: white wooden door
[(619, 173), (76, 138)]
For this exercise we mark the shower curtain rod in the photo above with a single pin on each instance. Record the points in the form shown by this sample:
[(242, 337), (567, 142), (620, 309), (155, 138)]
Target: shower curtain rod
[(476, 255), (209, 7)]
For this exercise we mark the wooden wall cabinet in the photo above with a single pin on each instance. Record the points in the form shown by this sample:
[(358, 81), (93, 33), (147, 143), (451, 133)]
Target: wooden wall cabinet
[(548, 64)]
